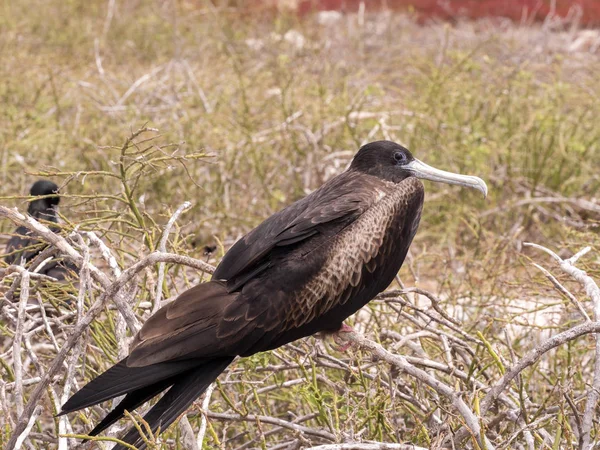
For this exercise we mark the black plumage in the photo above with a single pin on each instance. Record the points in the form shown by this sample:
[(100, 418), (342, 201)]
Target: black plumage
[(305, 269), (23, 246)]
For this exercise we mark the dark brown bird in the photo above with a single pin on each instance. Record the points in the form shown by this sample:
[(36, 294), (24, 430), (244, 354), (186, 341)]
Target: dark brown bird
[(305, 269), (22, 246)]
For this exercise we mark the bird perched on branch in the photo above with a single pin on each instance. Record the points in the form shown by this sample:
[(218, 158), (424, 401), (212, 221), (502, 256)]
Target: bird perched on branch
[(23, 247), (303, 270)]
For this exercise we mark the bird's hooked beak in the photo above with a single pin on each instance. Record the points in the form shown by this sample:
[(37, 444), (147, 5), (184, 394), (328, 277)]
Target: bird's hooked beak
[(421, 170)]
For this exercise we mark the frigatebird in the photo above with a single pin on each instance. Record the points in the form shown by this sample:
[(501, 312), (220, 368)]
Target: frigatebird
[(303, 270), (22, 246)]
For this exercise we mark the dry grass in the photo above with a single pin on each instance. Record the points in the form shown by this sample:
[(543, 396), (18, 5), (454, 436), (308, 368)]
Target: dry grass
[(250, 119)]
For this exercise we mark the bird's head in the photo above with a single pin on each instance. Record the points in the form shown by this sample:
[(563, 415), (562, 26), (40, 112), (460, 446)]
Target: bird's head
[(392, 162), (41, 207), (46, 187)]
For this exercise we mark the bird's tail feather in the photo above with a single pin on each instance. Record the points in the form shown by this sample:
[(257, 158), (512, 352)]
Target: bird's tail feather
[(129, 403), (120, 379), (187, 388)]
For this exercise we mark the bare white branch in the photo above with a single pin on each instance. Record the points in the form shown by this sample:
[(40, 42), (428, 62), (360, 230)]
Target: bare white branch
[(273, 421), (204, 420), (162, 247), (27, 429), (18, 369)]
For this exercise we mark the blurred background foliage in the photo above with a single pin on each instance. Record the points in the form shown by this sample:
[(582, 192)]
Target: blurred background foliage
[(272, 101)]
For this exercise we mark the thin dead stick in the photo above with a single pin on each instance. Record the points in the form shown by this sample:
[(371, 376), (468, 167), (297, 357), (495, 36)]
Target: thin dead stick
[(435, 303), (46, 323), (162, 247), (522, 407), (207, 107), (187, 434), (396, 296), (32, 275), (84, 274), (251, 443), (272, 387), (525, 428), (109, 17), (105, 251), (273, 421), (135, 85), (204, 421), (18, 364), (27, 429), (120, 324), (84, 284), (400, 361), (564, 291), (27, 382)]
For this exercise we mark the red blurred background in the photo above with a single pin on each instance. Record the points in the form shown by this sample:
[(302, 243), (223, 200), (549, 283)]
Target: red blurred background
[(583, 12)]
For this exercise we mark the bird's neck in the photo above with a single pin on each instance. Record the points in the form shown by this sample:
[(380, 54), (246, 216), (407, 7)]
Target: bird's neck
[(42, 211)]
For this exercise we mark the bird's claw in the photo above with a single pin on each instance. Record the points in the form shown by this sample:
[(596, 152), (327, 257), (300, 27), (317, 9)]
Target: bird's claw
[(342, 345)]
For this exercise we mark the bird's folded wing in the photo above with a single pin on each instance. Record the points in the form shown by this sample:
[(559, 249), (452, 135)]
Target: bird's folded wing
[(343, 199), (207, 322), (184, 328)]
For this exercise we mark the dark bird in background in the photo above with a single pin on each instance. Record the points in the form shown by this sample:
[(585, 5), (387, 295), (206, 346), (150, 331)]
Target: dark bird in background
[(22, 246), (303, 270)]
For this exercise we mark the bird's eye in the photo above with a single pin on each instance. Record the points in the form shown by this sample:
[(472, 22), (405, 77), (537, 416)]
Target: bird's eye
[(400, 157)]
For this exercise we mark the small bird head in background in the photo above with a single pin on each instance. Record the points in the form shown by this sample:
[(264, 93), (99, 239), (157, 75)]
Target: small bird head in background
[(44, 208)]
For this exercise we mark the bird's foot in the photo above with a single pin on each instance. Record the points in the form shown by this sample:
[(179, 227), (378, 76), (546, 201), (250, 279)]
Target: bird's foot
[(342, 344), (346, 329)]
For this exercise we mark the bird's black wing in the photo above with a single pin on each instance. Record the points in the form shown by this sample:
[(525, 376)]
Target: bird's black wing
[(185, 328), (342, 199)]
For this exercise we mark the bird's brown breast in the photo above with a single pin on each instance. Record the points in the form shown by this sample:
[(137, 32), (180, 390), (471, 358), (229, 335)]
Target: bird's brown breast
[(357, 248)]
